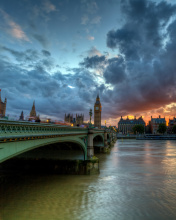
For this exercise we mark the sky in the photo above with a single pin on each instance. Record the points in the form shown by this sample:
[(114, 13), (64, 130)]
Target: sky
[(62, 53)]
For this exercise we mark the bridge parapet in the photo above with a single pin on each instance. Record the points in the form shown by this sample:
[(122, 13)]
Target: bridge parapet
[(13, 129)]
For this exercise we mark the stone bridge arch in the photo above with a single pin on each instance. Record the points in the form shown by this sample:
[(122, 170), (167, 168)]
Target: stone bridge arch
[(12, 149), (98, 140)]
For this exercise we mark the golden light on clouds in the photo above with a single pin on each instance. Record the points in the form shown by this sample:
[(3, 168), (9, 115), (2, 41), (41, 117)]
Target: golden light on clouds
[(13, 28)]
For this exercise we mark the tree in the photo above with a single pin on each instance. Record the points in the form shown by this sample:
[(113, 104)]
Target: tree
[(138, 129), (174, 129), (162, 128)]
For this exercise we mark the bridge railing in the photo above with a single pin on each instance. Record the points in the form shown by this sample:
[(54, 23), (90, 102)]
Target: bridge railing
[(15, 128)]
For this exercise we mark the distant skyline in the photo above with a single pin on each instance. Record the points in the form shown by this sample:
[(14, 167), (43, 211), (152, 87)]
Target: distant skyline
[(62, 53)]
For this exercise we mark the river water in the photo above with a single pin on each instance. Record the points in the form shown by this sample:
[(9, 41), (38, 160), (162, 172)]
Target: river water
[(137, 180)]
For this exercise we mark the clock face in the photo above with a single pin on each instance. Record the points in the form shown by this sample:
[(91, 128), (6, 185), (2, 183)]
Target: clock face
[(96, 108)]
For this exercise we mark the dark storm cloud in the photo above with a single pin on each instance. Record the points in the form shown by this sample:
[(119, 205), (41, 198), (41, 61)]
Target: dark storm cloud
[(26, 56), (147, 42), (115, 71), (141, 36), (32, 58), (83, 78), (93, 62), (46, 53), (41, 39)]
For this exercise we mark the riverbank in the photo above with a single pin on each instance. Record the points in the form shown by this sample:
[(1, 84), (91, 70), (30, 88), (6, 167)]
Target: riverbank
[(147, 137), (156, 137)]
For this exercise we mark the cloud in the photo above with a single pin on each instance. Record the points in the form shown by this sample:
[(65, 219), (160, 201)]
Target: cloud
[(93, 62), (51, 90), (84, 20), (27, 56), (93, 51), (115, 71), (90, 38), (92, 7), (145, 78), (32, 58), (46, 53), (48, 7), (13, 28), (96, 20), (41, 39), (88, 20)]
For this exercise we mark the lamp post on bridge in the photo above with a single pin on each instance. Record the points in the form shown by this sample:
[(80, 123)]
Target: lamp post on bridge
[(105, 124), (90, 113)]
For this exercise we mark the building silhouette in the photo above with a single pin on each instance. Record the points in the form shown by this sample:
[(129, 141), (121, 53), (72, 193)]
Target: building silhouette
[(125, 126), (154, 124), (68, 118), (33, 112), (97, 113), (79, 120), (2, 106), (171, 123), (33, 115), (21, 118)]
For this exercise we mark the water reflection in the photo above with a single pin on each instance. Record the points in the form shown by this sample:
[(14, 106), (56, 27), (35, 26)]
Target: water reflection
[(136, 181)]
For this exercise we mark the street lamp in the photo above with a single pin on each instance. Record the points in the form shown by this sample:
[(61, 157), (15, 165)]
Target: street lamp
[(90, 113), (105, 123)]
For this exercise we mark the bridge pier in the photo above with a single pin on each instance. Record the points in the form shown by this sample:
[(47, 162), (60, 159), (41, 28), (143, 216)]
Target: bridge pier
[(105, 140), (90, 147)]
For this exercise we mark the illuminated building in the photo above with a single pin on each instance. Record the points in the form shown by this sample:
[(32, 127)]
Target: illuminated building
[(125, 126), (97, 113), (154, 124)]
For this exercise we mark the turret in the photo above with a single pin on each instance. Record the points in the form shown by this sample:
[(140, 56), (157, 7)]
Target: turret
[(21, 116), (33, 112), (2, 106)]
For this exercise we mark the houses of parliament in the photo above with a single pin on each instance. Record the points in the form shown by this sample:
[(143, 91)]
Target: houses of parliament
[(2, 106), (79, 120)]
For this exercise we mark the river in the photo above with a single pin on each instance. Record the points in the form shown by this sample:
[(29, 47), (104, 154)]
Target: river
[(137, 181)]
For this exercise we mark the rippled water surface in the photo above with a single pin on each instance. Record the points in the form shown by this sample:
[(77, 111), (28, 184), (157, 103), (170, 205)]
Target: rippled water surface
[(137, 180)]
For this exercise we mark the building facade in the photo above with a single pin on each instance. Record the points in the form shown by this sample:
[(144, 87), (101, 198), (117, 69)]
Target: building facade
[(79, 120), (2, 106), (154, 124), (171, 123), (97, 113), (33, 112), (68, 118), (125, 126), (33, 115)]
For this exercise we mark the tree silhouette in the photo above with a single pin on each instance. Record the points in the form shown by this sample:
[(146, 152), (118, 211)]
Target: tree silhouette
[(138, 129), (162, 128)]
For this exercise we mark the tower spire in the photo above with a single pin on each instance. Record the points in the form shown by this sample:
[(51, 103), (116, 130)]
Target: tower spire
[(33, 112), (97, 112)]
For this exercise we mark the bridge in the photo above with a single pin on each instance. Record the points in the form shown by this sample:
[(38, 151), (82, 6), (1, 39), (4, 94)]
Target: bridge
[(19, 137)]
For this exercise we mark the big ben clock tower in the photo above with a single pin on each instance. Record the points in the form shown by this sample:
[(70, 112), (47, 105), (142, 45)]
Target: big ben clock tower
[(97, 113)]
